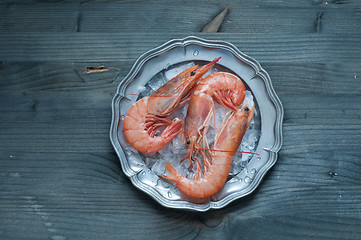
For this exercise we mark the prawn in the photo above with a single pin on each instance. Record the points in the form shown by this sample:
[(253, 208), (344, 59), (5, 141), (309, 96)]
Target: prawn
[(221, 87), (215, 170), (149, 114)]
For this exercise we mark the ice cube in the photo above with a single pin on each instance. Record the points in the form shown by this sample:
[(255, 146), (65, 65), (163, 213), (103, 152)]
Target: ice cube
[(166, 152), (179, 167), (141, 88), (189, 174), (146, 91), (244, 164), (177, 145), (150, 161), (171, 73), (252, 141), (248, 99), (236, 166), (220, 113), (237, 159), (245, 157), (251, 124), (234, 170), (186, 164), (157, 81), (158, 168)]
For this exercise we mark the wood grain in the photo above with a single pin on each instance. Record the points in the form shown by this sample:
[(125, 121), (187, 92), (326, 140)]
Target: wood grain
[(287, 17), (295, 77), (59, 175), (92, 47), (71, 192), (69, 121)]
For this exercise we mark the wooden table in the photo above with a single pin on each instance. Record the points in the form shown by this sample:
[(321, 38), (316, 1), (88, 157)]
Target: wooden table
[(59, 175)]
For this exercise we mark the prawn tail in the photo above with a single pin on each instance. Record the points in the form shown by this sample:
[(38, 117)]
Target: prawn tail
[(176, 176), (170, 169)]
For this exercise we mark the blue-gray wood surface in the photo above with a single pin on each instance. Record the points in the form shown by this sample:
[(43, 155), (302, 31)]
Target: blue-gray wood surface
[(59, 175)]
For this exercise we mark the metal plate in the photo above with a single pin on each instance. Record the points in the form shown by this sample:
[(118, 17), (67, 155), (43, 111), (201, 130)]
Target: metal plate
[(172, 56)]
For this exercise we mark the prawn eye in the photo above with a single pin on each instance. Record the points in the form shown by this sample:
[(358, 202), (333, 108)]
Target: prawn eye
[(193, 73), (188, 142), (246, 109)]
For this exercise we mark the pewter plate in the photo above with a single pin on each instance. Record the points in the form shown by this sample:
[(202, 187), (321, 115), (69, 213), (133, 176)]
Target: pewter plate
[(158, 65)]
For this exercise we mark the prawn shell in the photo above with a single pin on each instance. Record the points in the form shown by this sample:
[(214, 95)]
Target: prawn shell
[(224, 81), (134, 129)]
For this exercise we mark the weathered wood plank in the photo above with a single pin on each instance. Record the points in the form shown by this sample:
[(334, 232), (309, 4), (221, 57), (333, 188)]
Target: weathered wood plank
[(323, 18), (315, 78), (62, 76), (74, 219), (45, 115), (300, 78), (92, 47), (38, 17), (181, 16), (287, 227), (269, 3), (71, 192)]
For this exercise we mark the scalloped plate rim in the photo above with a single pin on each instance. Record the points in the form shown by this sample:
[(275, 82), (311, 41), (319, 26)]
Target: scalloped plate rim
[(259, 71)]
